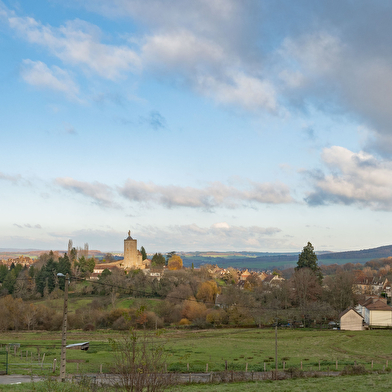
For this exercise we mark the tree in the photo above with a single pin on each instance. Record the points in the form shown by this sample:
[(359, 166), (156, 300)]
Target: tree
[(308, 259), (175, 263), (158, 260), (139, 361), (169, 255), (143, 252)]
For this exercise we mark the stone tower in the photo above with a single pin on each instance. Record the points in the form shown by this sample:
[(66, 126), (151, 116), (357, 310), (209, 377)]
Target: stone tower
[(132, 257)]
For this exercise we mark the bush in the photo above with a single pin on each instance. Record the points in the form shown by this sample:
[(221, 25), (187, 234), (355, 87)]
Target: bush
[(295, 372), (353, 370)]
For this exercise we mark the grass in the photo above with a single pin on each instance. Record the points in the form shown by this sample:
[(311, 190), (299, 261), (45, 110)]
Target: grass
[(376, 382), (236, 346)]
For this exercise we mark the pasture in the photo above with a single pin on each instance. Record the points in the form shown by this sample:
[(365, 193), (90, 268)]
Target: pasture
[(195, 348)]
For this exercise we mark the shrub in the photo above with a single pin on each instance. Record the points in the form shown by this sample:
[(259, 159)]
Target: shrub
[(353, 370), (295, 372)]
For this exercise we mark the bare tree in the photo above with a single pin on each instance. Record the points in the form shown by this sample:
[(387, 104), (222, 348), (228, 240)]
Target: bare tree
[(139, 360)]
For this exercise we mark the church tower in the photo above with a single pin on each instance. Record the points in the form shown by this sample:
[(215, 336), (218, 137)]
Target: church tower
[(132, 257)]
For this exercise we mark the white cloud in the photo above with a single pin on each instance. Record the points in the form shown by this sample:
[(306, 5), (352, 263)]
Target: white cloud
[(219, 236), (214, 195), (355, 178), (77, 43), (14, 179), (39, 75), (100, 193)]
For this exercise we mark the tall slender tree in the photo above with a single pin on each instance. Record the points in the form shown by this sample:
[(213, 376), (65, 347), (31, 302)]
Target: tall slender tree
[(308, 259)]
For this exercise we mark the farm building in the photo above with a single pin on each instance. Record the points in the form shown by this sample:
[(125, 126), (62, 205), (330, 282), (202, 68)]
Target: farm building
[(378, 314), (351, 320)]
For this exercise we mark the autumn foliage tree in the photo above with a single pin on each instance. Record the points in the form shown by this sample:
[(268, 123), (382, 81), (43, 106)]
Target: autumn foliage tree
[(207, 291), (175, 263)]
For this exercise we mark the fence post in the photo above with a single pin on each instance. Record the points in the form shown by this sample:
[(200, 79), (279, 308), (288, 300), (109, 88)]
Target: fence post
[(284, 365), (336, 366), (265, 366), (187, 366), (206, 367), (319, 365), (372, 364), (226, 365), (100, 368), (165, 367), (246, 367), (54, 365), (386, 364), (43, 358)]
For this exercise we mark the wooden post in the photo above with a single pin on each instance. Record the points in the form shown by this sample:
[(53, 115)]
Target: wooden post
[(187, 367), (63, 359), (336, 366), (246, 367), (265, 366), (42, 363), (372, 364), (100, 368), (206, 367), (232, 376), (319, 365), (15, 351), (355, 363), (252, 373), (226, 365), (165, 367), (276, 350), (27, 353), (54, 365)]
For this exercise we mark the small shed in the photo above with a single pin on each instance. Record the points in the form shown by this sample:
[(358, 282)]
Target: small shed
[(79, 346), (351, 320)]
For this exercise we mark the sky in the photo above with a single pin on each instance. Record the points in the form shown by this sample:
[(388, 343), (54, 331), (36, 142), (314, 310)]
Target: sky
[(198, 125)]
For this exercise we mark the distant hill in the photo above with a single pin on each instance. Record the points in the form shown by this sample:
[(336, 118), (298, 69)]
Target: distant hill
[(252, 260), (255, 260)]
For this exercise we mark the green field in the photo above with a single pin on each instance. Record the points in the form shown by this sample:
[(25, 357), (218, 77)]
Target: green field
[(373, 382), (255, 347)]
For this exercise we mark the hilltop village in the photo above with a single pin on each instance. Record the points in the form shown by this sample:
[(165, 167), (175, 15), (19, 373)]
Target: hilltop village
[(208, 296)]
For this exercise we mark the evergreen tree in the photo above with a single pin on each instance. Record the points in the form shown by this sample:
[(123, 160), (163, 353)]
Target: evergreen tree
[(158, 260), (308, 259), (143, 252)]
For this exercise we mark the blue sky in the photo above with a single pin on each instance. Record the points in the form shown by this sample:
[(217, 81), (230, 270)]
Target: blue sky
[(203, 125)]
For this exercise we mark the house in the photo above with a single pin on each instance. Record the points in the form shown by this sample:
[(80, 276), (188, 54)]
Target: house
[(371, 286), (245, 275), (273, 280), (378, 314), (370, 299), (351, 320)]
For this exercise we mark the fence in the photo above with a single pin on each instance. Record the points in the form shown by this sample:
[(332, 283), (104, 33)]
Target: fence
[(4, 362)]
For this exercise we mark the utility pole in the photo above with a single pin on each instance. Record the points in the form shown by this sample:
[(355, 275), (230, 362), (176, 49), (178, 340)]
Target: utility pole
[(64, 334), (276, 350)]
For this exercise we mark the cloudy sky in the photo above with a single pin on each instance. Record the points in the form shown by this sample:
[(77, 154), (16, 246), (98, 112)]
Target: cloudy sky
[(198, 125)]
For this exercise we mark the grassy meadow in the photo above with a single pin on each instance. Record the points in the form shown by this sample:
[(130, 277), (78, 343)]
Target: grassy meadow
[(364, 383), (199, 347)]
